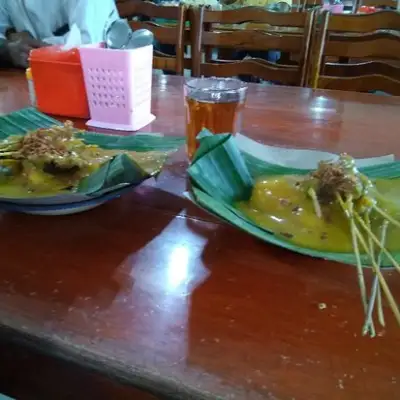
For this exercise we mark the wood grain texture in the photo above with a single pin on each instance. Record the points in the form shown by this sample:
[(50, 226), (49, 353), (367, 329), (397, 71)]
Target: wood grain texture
[(152, 291), (378, 3), (205, 35), (29, 374), (359, 38), (364, 23), (174, 35)]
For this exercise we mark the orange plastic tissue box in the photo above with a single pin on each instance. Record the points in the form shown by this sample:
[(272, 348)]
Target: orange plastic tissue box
[(58, 80)]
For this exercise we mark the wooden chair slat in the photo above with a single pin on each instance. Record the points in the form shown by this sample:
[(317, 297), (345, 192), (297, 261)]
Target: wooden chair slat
[(205, 35), (256, 15), (257, 67), (129, 8), (163, 62), (360, 69), (371, 52), (364, 47), (253, 40), (310, 3), (164, 34), (363, 23)]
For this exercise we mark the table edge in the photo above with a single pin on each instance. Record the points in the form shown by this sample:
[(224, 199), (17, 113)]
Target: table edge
[(139, 378)]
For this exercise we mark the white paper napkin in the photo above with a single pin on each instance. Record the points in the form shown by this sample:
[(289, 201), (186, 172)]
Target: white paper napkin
[(74, 38)]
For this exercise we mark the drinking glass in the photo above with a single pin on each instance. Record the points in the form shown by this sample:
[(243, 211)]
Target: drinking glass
[(215, 104)]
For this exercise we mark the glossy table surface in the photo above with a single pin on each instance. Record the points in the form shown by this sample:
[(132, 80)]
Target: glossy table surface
[(152, 290)]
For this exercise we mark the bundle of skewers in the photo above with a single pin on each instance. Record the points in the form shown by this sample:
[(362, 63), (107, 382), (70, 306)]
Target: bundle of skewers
[(340, 183)]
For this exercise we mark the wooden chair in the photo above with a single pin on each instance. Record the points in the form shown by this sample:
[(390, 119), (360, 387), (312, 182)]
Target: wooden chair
[(307, 4), (172, 34), (371, 40), (205, 33)]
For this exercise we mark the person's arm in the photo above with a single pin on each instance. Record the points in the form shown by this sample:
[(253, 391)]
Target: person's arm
[(4, 54), (90, 17), (5, 24), (14, 51)]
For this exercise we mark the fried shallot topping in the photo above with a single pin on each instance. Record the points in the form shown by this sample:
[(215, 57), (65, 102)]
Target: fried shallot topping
[(47, 142), (333, 179)]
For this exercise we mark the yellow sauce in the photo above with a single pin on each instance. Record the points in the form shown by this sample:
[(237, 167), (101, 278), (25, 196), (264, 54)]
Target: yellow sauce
[(30, 181), (16, 188), (278, 205), (40, 184)]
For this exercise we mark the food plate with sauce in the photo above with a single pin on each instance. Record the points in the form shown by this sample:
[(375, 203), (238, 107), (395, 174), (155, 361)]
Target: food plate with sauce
[(340, 209), (53, 168), (262, 197)]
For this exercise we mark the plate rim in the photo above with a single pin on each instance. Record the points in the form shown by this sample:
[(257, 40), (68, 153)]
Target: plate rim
[(9, 206)]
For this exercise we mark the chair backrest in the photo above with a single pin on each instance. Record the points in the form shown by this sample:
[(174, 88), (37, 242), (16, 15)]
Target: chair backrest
[(361, 23), (371, 40), (216, 29), (167, 24), (306, 4)]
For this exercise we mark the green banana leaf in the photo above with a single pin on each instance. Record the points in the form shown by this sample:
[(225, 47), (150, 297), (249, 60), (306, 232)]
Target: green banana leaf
[(152, 152), (221, 175)]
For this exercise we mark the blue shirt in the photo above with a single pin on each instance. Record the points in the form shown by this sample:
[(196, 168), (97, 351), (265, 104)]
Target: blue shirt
[(41, 18)]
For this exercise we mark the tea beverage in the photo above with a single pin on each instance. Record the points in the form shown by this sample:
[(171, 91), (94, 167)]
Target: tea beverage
[(216, 117), (215, 104)]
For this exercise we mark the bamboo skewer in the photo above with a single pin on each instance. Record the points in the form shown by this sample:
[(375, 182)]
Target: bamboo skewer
[(375, 291), (368, 319), (369, 323), (384, 285), (351, 190), (376, 267), (348, 210), (386, 216), (377, 242), (370, 242), (371, 305), (314, 198), (381, 317)]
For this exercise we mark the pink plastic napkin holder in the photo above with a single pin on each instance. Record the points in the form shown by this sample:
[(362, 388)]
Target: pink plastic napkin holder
[(118, 86)]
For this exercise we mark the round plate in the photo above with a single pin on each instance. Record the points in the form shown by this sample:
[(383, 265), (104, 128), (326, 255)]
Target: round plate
[(64, 209)]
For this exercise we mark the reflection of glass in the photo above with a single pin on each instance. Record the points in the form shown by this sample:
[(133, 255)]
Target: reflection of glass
[(215, 104)]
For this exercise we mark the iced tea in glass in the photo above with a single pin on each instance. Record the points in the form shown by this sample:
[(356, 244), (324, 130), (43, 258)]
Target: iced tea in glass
[(215, 104)]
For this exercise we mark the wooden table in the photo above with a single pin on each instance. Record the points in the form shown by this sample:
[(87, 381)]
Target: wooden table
[(149, 292)]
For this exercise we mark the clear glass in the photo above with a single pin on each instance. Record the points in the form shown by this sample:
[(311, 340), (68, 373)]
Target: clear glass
[(215, 104)]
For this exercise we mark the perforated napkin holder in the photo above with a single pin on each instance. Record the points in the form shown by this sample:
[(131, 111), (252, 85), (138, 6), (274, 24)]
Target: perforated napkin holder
[(118, 85)]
